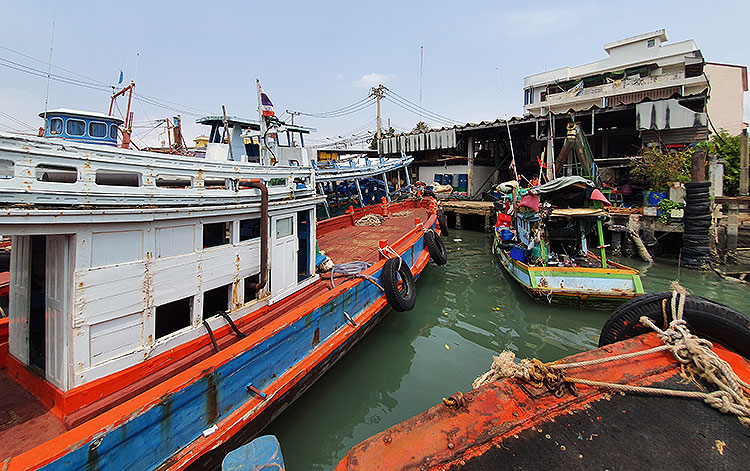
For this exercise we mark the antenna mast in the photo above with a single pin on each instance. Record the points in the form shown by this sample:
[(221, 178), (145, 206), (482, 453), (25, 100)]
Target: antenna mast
[(49, 65), (421, 67)]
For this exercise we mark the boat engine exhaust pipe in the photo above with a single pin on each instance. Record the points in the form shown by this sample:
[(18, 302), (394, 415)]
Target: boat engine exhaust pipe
[(256, 183)]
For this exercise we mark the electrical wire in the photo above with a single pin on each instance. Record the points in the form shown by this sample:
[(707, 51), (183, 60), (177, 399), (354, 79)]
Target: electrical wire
[(345, 111), (393, 97)]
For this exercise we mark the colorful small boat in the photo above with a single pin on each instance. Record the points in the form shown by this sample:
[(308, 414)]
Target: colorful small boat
[(543, 246), (631, 404), (164, 308)]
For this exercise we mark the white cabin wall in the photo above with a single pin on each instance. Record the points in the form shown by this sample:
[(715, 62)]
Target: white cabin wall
[(115, 303), (20, 269)]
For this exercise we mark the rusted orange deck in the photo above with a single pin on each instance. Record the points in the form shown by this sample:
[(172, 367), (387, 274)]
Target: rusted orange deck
[(511, 424)]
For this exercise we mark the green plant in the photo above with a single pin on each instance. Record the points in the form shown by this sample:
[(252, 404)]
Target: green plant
[(655, 170), (727, 147), (665, 207)]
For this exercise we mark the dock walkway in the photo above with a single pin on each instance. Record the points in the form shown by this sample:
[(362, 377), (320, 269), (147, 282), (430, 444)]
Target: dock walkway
[(461, 208)]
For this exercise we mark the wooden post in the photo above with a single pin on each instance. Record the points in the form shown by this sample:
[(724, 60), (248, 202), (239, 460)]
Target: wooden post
[(744, 168), (698, 166), (458, 221), (616, 243), (733, 224)]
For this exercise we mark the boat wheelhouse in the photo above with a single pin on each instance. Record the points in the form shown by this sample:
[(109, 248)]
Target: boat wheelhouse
[(81, 126), (164, 306)]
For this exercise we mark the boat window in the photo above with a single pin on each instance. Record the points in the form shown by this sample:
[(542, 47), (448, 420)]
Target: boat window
[(215, 183), (6, 169), (215, 301), (250, 293), (56, 173), (173, 316), (75, 127), (116, 178), (277, 182), (97, 129), (215, 234), (173, 181), (284, 227), (55, 126), (249, 229), (113, 131)]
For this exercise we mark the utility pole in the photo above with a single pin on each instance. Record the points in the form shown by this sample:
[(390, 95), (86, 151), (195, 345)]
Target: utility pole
[(293, 113), (379, 92)]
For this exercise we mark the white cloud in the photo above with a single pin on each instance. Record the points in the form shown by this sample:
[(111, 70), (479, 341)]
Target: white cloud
[(536, 21), (339, 77), (371, 80)]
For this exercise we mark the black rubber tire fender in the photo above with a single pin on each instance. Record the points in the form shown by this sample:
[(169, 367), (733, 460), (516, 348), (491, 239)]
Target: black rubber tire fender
[(442, 221), (705, 318), (435, 247), (403, 299)]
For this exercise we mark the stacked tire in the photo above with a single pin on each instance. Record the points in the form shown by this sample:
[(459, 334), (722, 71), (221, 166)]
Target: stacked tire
[(697, 222)]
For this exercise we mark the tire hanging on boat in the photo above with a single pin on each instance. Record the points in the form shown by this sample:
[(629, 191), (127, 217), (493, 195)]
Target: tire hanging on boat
[(435, 247), (704, 317), (403, 299), (442, 221)]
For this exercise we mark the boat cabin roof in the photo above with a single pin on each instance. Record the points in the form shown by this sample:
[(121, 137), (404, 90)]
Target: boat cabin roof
[(81, 114), (245, 123)]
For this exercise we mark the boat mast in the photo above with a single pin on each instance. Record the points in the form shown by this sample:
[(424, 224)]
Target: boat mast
[(127, 127)]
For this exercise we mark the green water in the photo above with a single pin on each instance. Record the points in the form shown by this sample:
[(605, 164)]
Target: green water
[(466, 311)]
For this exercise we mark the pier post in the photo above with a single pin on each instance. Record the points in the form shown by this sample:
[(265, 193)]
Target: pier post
[(616, 243), (744, 169), (458, 221), (733, 225), (470, 162)]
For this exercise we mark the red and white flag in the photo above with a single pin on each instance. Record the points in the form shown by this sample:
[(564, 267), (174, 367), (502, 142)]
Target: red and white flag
[(266, 106)]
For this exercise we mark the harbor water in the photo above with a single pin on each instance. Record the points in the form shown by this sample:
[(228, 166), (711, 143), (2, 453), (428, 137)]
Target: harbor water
[(466, 311)]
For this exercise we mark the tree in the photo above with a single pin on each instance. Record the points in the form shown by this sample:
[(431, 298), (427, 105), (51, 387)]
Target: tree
[(655, 170), (390, 132), (421, 127), (727, 147)]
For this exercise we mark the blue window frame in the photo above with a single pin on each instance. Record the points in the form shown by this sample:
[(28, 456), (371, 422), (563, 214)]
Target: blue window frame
[(97, 129), (75, 127), (55, 126)]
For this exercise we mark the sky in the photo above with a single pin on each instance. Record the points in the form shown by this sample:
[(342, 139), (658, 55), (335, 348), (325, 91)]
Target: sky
[(314, 57)]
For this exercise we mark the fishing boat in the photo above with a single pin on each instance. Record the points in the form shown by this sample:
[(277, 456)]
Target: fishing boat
[(656, 395), (541, 239), (164, 308), (361, 179)]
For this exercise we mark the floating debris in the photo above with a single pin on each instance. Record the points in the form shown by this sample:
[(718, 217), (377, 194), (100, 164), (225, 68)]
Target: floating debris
[(458, 240), (370, 220)]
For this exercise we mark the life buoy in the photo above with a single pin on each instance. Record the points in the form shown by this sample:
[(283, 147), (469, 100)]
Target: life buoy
[(399, 298), (435, 247), (442, 221), (705, 318)]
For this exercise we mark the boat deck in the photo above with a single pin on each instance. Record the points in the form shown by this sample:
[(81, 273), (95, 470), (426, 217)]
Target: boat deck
[(354, 243), (26, 423), (510, 424)]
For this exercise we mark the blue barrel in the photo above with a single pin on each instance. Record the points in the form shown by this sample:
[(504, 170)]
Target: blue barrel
[(517, 253), (506, 235), (448, 179), (463, 181), (438, 178)]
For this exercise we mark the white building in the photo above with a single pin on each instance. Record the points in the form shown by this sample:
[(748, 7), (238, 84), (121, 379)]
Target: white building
[(726, 97), (637, 68)]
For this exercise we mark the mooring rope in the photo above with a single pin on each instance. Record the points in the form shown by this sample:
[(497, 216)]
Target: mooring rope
[(691, 351)]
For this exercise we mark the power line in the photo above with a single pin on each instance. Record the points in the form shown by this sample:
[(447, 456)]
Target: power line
[(416, 109), (344, 111)]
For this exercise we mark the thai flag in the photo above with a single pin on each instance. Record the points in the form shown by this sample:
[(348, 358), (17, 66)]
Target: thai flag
[(266, 106)]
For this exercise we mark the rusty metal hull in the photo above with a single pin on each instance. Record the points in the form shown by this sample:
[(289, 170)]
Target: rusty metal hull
[(513, 425)]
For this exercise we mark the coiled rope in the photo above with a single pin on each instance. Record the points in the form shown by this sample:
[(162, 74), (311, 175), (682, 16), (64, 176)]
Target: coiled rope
[(355, 268), (691, 351)]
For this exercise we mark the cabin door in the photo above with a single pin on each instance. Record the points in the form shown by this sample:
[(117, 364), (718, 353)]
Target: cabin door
[(58, 306), (283, 253), (18, 309)]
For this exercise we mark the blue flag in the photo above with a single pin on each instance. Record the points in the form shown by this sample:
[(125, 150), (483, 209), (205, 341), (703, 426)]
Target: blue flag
[(121, 77)]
